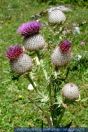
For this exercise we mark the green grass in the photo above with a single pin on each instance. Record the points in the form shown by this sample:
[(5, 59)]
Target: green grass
[(15, 107)]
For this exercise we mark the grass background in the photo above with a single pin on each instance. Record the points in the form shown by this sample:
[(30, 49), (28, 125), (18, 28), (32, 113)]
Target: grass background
[(15, 107)]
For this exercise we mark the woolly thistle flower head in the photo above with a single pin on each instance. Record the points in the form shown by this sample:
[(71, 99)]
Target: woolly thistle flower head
[(65, 46), (29, 28), (70, 91), (13, 52)]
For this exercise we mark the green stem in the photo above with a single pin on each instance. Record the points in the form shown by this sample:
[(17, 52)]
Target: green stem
[(41, 64), (52, 97), (44, 113), (38, 55), (31, 81), (56, 68), (67, 72)]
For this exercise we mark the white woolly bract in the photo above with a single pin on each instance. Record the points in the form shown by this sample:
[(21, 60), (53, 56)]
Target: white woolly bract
[(22, 64), (60, 59), (70, 91), (56, 16), (34, 42)]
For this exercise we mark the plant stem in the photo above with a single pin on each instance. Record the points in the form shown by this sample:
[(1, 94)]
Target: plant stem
[(44, 113), (33, 84), (67, 72), (53, 90), (38, 55), (41, 64), (52, 97), (31, 81)]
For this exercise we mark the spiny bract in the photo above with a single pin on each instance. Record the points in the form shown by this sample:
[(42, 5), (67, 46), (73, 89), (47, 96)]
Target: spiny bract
[(70, 91), (34, 42), (56, 16)]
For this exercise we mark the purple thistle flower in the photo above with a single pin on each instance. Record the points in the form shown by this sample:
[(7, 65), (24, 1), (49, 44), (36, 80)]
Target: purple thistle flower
[(65, 46), (13, 52), (29, 28)]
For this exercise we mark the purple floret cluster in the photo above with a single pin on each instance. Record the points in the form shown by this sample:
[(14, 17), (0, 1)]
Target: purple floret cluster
[(14, 52), (65, 46), (29, 28)]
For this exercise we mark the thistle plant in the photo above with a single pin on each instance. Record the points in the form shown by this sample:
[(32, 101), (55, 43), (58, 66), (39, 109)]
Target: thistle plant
[(21, 63)]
